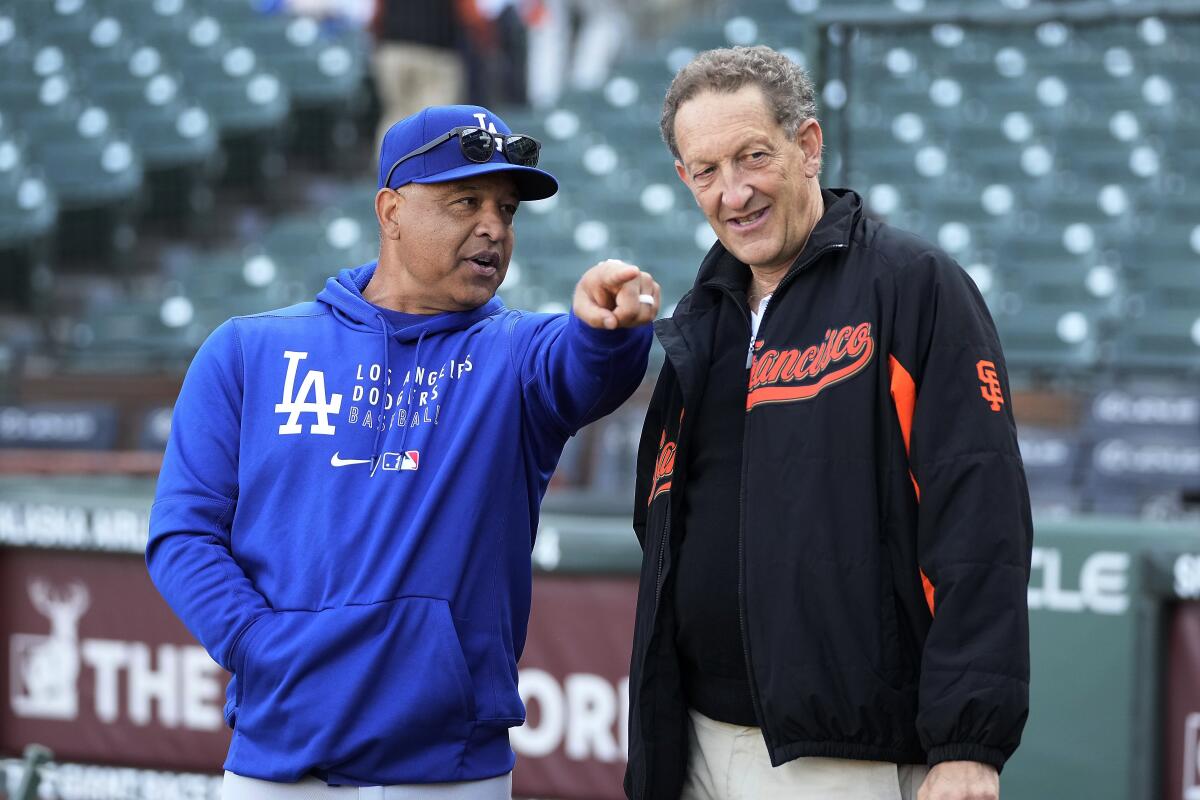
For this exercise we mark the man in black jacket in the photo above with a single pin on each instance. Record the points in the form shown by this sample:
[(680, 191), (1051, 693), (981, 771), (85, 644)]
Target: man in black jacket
[(831, 503), (416, 62)]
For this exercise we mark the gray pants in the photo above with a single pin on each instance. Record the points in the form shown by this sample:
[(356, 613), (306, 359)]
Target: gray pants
[(237, 787), (730, 762)]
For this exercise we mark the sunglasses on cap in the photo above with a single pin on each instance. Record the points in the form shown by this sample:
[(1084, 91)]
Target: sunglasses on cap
[(479, 145)]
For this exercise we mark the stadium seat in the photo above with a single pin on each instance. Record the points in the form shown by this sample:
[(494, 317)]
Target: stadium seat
[(169, 128), (84, 158), (309, 247), (134, 337), (28, 205), (224, 75), (1040, 337), (1163, 339), (237, 282), (318, 69)]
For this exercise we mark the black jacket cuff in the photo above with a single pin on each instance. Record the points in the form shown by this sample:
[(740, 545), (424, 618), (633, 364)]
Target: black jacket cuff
[(967, 752)]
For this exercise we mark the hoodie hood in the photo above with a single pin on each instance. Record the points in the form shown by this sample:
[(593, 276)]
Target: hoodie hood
[(343, 294)]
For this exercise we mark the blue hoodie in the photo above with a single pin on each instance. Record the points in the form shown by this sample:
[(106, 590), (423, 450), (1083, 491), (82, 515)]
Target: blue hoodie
[(344, 519)]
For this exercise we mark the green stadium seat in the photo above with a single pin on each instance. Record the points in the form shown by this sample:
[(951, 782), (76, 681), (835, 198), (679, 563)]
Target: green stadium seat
[(310, 247), (64, 20), (134, 337), (153, 20), (1179, 207), (553, 256), (354, 199), (652, 72), (1168, 255), (28, 205), (76, 144), (1161, 339), (126, 78), (235, 283), (666, 246), (223, 75), (701, 35), (318, 69), (1047, 336), (169, 128), (89, 169)]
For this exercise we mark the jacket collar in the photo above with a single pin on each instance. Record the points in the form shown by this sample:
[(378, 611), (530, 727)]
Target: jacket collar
[(722, 270), (684, 335)]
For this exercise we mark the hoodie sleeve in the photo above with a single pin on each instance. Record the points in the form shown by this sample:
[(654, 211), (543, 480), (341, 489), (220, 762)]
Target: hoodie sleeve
[(974, 534), (188, 554), (572, 374)]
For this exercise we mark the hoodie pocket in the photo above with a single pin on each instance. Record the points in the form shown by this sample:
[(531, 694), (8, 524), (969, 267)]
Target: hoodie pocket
[(351, 688)]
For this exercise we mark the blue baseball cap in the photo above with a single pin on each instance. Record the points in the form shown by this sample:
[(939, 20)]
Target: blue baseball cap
[(446, 161)]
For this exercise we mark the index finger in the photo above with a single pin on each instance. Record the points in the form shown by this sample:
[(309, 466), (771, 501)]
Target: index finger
[(614, 273)]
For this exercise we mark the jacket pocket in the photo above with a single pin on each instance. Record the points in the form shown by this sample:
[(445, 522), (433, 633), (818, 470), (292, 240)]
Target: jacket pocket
[(354, 689)]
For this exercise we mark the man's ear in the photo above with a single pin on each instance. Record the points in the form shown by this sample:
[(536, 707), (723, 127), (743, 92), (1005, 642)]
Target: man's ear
[(683, 176), (389, 205), (811, 139), (682, 173)]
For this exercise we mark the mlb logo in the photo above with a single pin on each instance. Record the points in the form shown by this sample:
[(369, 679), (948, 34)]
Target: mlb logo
[(408, 461)]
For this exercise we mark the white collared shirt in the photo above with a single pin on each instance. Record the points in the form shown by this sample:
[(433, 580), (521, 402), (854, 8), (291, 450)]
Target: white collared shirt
[(755, 321)]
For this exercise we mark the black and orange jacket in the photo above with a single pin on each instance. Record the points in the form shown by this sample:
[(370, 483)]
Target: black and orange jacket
[(885, 538)]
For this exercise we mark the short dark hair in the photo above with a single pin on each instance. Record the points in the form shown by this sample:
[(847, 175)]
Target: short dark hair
[(786, 85)]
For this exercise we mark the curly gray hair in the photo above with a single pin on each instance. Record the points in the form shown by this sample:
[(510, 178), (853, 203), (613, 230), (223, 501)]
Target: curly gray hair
[(787, 87)]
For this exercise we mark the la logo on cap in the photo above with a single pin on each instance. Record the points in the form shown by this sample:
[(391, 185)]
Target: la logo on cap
[(490, 127)]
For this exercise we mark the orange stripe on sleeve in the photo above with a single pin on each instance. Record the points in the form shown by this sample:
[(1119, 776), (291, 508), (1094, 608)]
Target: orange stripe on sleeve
[(904, 396)]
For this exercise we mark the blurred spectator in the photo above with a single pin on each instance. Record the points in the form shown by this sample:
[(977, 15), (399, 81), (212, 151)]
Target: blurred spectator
[(495, 54), (558, 59), (416, 60)]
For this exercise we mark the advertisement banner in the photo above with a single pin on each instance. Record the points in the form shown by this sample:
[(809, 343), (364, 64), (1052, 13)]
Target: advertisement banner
[(97, 668), (574, 679)]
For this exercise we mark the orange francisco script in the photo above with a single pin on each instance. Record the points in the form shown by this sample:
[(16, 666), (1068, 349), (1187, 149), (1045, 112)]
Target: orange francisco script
[(784, 376)]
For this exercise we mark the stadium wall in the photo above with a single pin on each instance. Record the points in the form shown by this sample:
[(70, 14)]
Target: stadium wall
[(97, 667)]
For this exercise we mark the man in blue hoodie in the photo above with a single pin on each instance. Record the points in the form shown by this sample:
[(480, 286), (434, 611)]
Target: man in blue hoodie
[(351, 489)]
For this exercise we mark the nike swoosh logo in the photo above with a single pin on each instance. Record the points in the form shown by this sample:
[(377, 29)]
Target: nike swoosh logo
[(334, 461)]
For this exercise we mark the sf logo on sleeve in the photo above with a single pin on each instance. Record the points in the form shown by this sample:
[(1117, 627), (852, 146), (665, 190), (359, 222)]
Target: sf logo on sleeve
[(989, 384)]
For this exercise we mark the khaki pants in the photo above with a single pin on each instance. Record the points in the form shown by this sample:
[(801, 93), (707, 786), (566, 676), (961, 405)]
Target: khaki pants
[(730, 762), (410, 77), (236, 787)]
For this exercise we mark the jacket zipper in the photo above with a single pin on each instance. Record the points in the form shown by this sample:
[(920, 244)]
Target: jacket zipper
[(663, 540), (662, 552), (741, 500), (758, 710)]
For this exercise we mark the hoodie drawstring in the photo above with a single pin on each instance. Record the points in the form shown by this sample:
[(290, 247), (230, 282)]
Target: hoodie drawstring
[(381, 421), (408, 397)]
